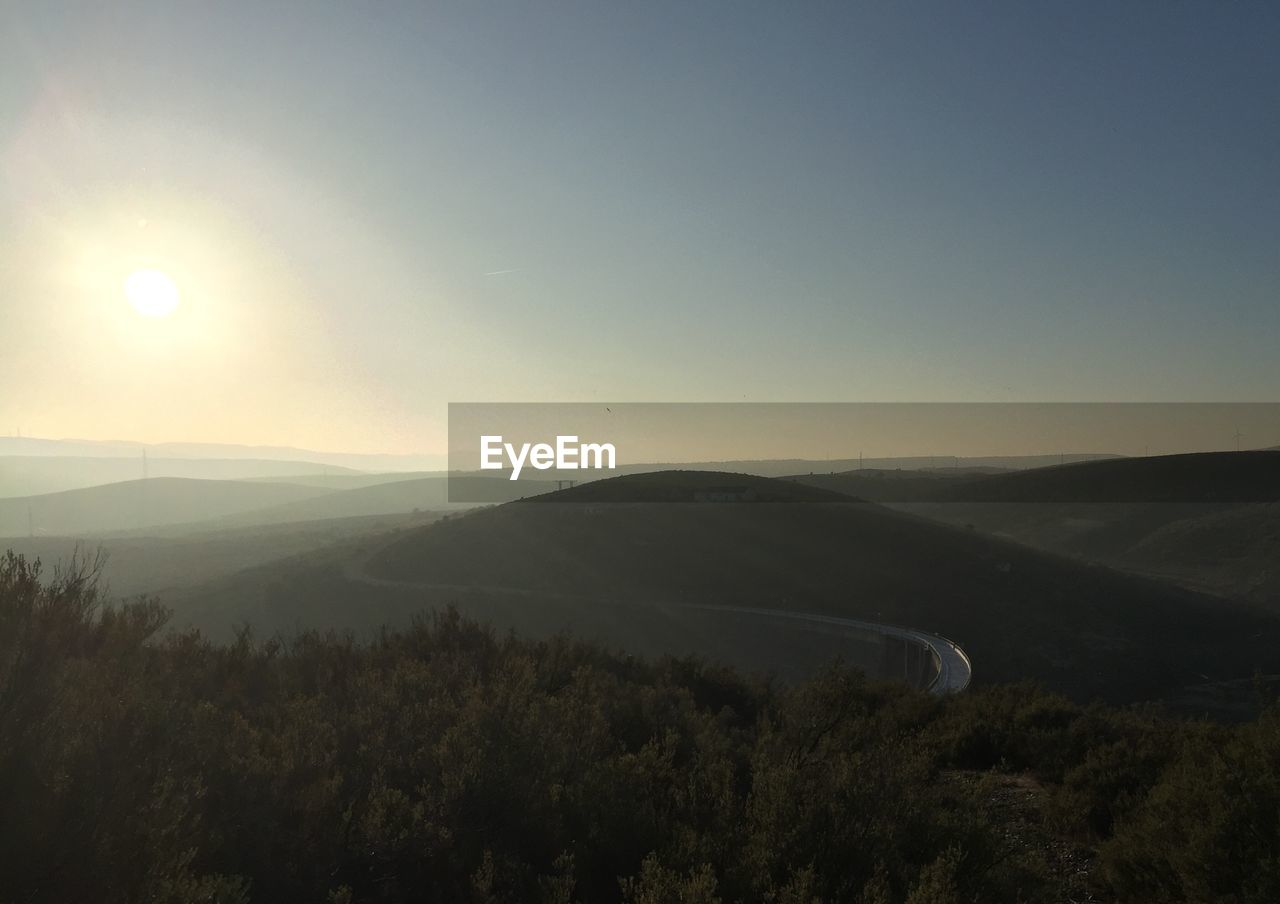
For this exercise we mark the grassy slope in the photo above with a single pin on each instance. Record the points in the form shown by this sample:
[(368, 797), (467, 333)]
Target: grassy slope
[(1234, 551), (159, 563), (385, 498), (1170, 516), (1230, 477), (29, 475), (349, 481), (141, 503)]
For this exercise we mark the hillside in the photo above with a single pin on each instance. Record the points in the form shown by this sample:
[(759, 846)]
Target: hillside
[(1203, 520), (387, 498), (165, 560), (1020, 613), (925, 464), (32, 475), (683, 486), (348, 481), (174, 506), (136, 504), (1203, 477), (74, 448), (1234, 551), (880, 485)]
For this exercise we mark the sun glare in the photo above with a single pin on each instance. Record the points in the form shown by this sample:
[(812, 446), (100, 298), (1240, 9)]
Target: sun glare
[(151, 292)]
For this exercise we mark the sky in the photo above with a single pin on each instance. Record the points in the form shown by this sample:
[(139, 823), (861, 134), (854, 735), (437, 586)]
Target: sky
[(372, 210)]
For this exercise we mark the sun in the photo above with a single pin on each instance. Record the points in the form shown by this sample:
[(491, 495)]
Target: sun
[(151, 292)]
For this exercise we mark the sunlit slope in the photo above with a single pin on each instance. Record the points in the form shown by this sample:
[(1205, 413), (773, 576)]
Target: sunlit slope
[(166, 561), (1233, 551), (1020, 613), (1198, 477), (1208, 521), (30, 475), (350, 481), (387, 498), (134, 504)]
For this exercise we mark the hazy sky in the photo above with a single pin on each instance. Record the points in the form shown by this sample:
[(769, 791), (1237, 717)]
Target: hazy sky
[(373, 209)]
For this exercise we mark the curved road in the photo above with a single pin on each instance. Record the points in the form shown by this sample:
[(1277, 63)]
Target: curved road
[(954, 667)]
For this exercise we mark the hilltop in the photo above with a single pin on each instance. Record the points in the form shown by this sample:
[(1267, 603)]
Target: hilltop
[(1202, 477), (897, 485), (689, 486), (33, 475)]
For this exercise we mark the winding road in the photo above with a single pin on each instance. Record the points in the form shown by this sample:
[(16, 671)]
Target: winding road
[(954, 670)]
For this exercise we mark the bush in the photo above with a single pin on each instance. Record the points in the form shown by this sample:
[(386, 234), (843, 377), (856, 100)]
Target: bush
[(445, 763)]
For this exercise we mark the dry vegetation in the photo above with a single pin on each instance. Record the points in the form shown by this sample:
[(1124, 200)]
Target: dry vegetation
[(444, 763)]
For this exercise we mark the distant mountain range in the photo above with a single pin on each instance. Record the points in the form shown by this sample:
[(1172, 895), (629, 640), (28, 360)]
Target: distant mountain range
[(175, 506), (79, 448), (137, 504), (28, 475), (31, 466)]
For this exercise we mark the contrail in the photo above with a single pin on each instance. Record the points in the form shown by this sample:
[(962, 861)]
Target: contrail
[(501, 272)]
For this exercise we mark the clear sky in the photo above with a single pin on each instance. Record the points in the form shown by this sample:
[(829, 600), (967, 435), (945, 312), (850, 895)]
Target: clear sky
[(370, 210)]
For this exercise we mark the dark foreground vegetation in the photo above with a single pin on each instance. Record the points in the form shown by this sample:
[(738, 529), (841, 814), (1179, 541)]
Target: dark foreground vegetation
[(444, 763)]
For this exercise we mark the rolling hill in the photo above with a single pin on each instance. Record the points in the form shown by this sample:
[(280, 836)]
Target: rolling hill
[(680, 486), (386, 498), (593, 556), (927, 464), (348, 480), (32, 475), (1201, 477), (1204, 521), (1236, 551), (78, 448), (881, 485), (166, 561), (175, 506), (140, 504)]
